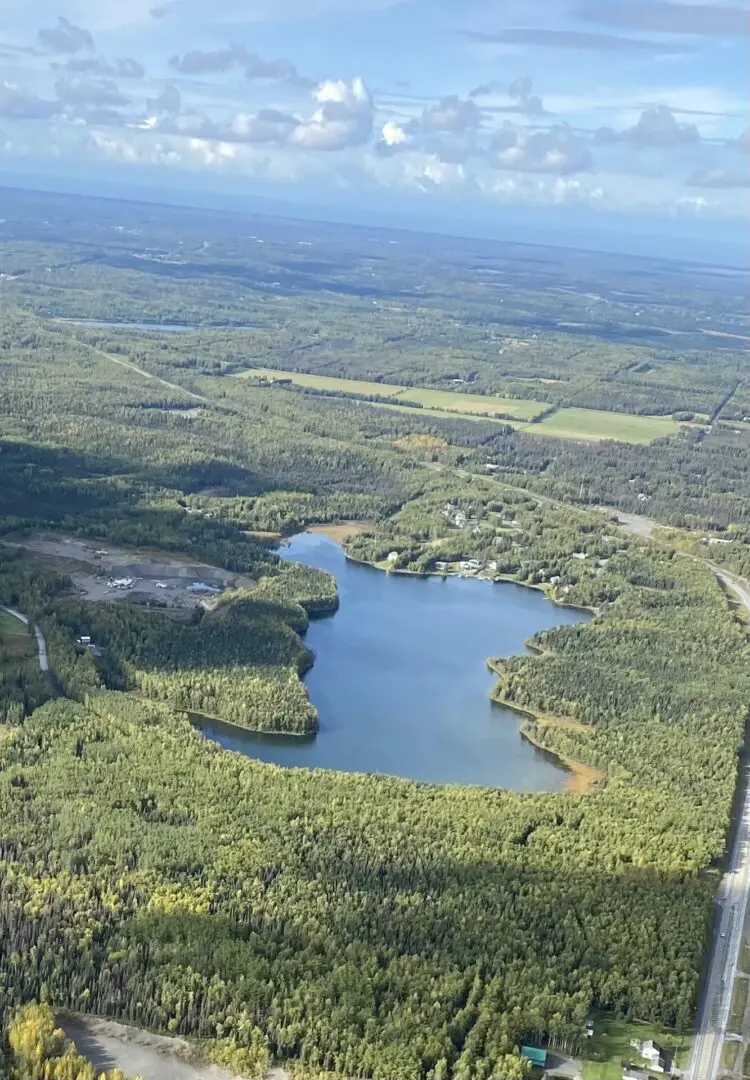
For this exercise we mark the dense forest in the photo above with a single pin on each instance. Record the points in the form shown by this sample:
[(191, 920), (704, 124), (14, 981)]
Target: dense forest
[(344, 923), (38, 1050), (358, 923), (241, 662)]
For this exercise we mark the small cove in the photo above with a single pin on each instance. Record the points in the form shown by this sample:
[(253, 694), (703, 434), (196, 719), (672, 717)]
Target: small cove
[(400, 679)]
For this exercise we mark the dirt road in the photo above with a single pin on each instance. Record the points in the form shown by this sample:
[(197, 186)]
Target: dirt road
[(41, 644)]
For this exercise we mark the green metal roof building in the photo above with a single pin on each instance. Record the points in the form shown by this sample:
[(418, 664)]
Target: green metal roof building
[(534, 1055)]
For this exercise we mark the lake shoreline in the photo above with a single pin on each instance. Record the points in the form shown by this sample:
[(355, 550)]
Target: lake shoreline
[(498, 579), (583, 779), (195, 718), (384, 652)]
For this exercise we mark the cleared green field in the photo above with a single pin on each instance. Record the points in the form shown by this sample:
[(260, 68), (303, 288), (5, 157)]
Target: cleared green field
[(441, 414), (9, 624), (452, 401), (445, 400), (595, 425), (588, 424), (729, 1052), (610, 1046), (739, 1004)]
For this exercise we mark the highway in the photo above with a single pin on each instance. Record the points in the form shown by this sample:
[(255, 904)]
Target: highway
[(732, 902)]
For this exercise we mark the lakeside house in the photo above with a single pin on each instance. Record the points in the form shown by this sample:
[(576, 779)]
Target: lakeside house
[(470, 564)]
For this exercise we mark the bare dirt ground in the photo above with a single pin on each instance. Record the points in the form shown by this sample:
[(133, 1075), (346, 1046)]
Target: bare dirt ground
[(342, 530), (154, 577), (635, 524), (109, 1045)]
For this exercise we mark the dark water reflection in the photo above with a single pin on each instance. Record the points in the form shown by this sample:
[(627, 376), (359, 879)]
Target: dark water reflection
[(400, 680)]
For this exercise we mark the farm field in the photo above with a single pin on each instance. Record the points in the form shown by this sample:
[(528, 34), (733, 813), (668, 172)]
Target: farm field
[(442, 400), (595, 425), (568, 423)]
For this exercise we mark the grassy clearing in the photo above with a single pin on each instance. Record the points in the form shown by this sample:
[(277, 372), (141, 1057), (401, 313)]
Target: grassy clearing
[(324, 382), (739, 1003), (588, 424), (746, 1062), (745, 955), (594, 425), (443, 400), (413, 410), (340, 532), (610, 1046), (729, 1052), (9, 624), (518, 409)]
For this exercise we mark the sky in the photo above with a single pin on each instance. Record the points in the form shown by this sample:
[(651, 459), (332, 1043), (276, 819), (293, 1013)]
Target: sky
[(558, 117)]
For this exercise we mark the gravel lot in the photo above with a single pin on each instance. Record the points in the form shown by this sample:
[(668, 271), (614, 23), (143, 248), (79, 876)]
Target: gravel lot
[(154, 576), (109, 1045)]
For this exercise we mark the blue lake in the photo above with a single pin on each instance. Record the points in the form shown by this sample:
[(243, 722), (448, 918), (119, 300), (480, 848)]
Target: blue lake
[(400, 678)]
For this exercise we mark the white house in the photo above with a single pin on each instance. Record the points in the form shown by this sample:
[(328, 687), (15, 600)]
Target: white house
[(659, 1059)]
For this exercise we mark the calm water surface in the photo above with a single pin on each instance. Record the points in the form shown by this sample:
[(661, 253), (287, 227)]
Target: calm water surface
[(167, 328), (171, 328), (400, 680)]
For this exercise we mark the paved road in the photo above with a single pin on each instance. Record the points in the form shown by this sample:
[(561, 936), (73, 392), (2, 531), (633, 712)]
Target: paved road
[(41, 644), (732, 901)]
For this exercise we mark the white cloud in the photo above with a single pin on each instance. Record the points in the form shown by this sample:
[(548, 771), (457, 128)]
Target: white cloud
[(415, 170), (656, 126), (543, 191), (66, 37), (452, 114), (709, 107), (393, 134), (343, 118), (558, 151), (693, 204), (18, 103)]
